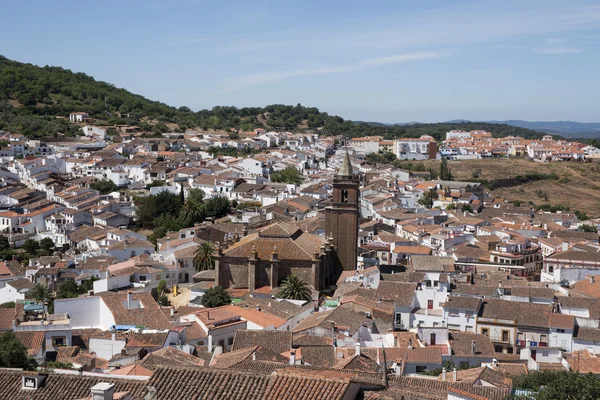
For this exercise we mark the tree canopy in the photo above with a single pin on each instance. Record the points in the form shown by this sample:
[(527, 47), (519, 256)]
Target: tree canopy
[(13, 354), (104, 187), (288, 175), (294, 288), (204, 257), (216, 296), (559, 385)]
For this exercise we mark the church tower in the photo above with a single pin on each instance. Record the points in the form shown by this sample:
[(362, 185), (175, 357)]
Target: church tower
[(342, 216)]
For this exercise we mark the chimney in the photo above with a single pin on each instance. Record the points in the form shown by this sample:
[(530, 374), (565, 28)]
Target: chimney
[(254, 356), (398, 369), (90, 293), (129, 299), (410, 343), (565, 246), (113, 336), (454, 375), (32, 380), (257, 307), (591, 278), (210, 343), (123, 352), (292, 357), (103, 391), (357, 349), (473, 347), (332, 327), (443, 374)]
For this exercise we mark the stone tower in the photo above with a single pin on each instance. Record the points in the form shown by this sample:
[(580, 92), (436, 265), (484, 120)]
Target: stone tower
[(342, 216)]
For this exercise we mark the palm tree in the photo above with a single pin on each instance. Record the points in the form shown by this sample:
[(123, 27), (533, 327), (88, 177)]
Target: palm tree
[(39, 292), (204, 257), (294, 288), (191, 212)]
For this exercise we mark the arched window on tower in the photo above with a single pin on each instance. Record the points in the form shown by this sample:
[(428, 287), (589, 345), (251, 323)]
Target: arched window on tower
[(344, 196)]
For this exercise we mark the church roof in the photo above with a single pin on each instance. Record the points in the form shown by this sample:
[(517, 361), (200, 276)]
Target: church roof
[(290, 242), (346, 168), (280, 230)]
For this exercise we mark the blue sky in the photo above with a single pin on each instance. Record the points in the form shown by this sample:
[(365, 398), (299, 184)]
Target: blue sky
[(387, 61)]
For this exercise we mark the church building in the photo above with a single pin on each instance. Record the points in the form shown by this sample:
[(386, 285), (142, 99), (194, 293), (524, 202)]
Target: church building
[(267, 257)]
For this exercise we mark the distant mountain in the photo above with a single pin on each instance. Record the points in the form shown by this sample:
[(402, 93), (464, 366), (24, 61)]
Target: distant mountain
[(563, 128)]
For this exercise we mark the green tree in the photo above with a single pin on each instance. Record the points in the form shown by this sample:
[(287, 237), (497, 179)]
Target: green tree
[(288, 175), (104, 187), (47, 246), (428, 198), (164, 301), (13, 354), (217, 207), (196, 195), (39, 292), (161, 287), (204, 257), (588, 228), (466, 208), (191, 212), (4, 243), (560, 385), (68, 290), (10, 304), (445, 173), (155, 206), (294, 288), (31, 246), (216, 296)]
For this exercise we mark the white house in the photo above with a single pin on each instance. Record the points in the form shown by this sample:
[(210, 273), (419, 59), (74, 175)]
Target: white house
[(78, 116), (129, 248), (14, 290)]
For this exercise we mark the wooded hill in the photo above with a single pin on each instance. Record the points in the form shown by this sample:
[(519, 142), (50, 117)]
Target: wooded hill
[(32, 97)]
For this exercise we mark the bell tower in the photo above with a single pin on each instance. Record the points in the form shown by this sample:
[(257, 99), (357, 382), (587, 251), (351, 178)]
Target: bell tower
[(342, 217)]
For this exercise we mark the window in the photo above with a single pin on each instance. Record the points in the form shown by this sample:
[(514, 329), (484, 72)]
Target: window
[(230, 341), (505, 336), (222, 343), (421, 369), (545, 353), (344, 196), (142, 278), (398, 319), (543, 338), (428, 283), (560, 331), (436, 283), (58, 341), (485, 331)]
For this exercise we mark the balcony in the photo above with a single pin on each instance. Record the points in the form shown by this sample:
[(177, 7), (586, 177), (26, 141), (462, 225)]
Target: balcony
[(523, 343), (500, 339)]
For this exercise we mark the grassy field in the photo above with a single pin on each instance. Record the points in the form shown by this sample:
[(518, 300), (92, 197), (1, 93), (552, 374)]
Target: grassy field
[(578, 186)]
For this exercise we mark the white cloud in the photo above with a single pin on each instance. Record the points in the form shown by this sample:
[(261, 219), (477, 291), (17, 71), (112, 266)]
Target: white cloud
[(557, 46), (187, 39), (277, 76), (559, 50), (475, 23)]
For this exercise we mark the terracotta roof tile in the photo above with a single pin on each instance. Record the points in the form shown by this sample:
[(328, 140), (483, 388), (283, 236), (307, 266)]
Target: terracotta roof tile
[(170, 356), (277, 341)]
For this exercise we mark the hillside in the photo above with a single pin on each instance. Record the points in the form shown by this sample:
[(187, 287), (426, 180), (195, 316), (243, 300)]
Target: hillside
[(575, 185), (35, 100)]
